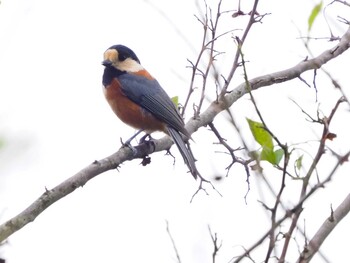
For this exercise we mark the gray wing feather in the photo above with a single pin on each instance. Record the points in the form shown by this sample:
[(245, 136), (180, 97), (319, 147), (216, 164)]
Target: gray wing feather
[(151, 96)]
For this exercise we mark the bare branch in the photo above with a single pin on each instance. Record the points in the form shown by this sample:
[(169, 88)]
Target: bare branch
[(341, 1), (217, 246), (289, 213), (321, 149), (240, 44), (112, 162), (173, 242), (327, 227), (284, 169)]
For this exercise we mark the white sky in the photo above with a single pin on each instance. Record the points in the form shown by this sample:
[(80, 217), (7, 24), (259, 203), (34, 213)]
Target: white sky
[(55, 121)]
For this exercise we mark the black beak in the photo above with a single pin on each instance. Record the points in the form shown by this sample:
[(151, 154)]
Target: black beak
[(107, 63)]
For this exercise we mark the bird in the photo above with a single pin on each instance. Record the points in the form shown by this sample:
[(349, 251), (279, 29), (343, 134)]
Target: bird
[(139, 101)]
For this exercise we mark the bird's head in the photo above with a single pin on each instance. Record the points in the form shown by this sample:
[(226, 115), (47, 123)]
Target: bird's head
[(121, 58)]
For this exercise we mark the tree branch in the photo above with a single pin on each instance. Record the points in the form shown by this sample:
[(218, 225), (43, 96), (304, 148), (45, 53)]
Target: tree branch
[(49, 197), (172, 242), (296, 209), (214, 238), (327, 227)]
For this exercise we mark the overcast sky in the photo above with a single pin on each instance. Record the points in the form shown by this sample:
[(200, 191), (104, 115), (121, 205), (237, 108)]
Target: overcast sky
[(54, 121)]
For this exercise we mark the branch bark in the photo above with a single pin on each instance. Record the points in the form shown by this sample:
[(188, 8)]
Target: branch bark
[(49, 197), (327, 227)]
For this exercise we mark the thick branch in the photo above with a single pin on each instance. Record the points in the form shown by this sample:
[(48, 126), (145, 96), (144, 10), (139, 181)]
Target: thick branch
[(266, 80), (112, 162), (78, 180), (327, 227)]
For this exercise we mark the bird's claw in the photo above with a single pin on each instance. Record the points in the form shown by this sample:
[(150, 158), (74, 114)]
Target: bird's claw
[(144, 138), (127, 144)]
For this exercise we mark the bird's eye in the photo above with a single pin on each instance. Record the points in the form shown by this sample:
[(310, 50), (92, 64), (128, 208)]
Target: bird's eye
[(122, 57)]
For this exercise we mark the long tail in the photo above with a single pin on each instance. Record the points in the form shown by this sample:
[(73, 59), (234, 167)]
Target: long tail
[(185, 151)]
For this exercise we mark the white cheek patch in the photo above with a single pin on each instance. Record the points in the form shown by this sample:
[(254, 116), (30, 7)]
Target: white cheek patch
[(129, 65)]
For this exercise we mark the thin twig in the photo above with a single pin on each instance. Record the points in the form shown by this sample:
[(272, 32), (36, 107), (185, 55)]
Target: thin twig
[(173, 242), (113, 161), (289, 213), (217, 247), (306, 179)]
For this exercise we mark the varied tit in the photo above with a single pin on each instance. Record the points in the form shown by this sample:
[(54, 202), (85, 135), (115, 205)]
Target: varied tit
[(139, 101)]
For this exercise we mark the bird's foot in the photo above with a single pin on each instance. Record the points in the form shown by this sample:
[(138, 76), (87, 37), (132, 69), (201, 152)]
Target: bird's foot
[(127, 144), (149, 141), (146, 138)]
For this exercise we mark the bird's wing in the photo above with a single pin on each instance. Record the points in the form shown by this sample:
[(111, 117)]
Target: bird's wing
[(150, 95)]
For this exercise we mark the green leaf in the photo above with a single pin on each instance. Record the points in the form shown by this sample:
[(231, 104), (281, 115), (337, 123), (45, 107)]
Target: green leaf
[(267, 155), (260, 134), (273, 157), (314, 13), (265, 140), (299, 162), (278, 155), (175, 100)]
